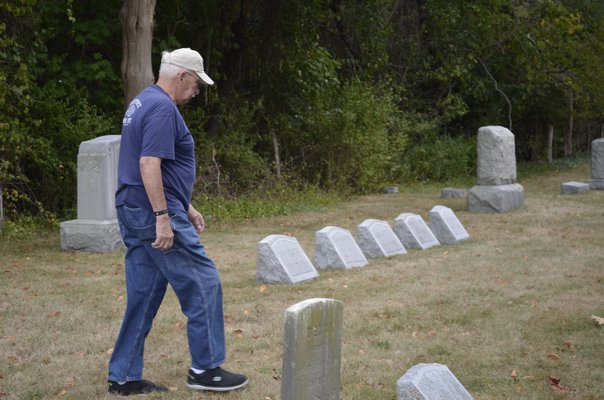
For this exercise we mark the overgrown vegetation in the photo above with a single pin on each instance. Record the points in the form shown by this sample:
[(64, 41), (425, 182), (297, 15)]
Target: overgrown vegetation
[(338, 95)]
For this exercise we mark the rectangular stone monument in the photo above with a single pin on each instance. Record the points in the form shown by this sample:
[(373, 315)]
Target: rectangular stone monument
[(312, 347), (445, 225), (496, 189), (413, 232), (574, 187), (281, 259), (377, 239), (430, 382), (96, 229), (336, 248), (597, 165)]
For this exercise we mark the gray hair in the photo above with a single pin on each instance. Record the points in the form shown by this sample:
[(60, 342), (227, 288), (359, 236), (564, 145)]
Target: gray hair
[(166, 69)]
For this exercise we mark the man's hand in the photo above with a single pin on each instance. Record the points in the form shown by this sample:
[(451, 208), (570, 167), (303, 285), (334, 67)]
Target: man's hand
[(164, 235), (196, 219)]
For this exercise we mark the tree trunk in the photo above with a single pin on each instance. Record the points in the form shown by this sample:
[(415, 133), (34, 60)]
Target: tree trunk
[(277, 156), (136, 17), (568, 138), (550, 144)]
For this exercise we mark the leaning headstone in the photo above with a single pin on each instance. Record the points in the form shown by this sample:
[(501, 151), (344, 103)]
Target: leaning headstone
[(446, 226), (574, 187), (597, 165), (377, 239), (430, 382), (496, 189), (336, 248), (413, 232), (453, 193), (281, 259), (312, 347), (96, 229)]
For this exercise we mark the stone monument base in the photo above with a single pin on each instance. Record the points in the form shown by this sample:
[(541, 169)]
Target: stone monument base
[(98, 236), (596, 184), (500, 198)]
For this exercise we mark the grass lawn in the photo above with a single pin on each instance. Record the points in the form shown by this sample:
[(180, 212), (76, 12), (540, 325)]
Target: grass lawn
[(509, 312)]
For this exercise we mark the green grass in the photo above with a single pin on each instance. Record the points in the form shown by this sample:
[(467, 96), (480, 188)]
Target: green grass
[(505, 311)]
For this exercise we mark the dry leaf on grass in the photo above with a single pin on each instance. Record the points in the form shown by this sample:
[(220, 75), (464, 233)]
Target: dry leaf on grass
[(597, 320), (554, 383), (553, 356)]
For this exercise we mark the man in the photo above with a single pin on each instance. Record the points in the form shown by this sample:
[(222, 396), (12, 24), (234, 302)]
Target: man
[(161, 228)]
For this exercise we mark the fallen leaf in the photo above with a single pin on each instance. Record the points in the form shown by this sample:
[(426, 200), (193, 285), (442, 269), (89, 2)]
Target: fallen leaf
[(110, 351), (568, 344), (238, 333), (554, 383), (553, 356), (46, 360), (514, 374), (62, 393), (598, 320), (262, 288), (498, 250), (247, 313)]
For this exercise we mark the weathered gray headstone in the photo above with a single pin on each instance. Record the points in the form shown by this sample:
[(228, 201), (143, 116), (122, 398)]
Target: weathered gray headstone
[(446, 226), (413, 232), (496, 163), (453, 193), (391, 189), (96, 229), (496, 189), (430, 382), (377, 239), (312, 347), (597, 165), (281, 259), (336, 248), (574, 187)]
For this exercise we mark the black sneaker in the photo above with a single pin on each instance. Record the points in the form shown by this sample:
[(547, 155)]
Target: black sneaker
[(217, 379), (132, 388)]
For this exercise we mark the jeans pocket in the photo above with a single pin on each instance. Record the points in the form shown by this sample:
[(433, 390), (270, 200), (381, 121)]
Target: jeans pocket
[(138, 221)]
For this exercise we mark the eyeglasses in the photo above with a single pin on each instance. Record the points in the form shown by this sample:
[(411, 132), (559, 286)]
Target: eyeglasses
[(197, 79)]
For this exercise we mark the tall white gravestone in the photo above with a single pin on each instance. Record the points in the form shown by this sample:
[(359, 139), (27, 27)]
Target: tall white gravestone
[(597, 165), (312, 348), (281, 259), (413, 232), (430, 382), (496, 189), (336, 248), (96, 229)]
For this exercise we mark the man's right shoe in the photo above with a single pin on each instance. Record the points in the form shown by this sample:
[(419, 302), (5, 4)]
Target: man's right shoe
[(133, 388), (217, 379)]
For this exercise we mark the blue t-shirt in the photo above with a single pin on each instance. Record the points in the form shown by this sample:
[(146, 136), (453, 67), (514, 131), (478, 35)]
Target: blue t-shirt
[(153, 126)]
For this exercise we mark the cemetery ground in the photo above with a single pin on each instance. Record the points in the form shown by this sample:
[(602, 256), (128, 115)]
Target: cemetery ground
[(509, 311)]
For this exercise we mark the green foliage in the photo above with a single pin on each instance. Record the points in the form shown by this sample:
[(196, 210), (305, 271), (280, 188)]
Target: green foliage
[(263, 202)]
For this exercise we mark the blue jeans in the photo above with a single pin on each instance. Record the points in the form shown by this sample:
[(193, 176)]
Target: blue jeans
[(192, 275)]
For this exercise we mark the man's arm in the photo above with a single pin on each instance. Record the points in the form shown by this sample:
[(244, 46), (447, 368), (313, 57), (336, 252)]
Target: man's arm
[(150, 168)]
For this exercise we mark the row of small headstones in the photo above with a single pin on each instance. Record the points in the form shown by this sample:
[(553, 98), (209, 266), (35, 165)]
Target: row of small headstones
[(281, 259), (312, 359)]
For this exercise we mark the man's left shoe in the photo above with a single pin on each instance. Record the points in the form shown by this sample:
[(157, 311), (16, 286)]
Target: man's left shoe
[(133, 388)]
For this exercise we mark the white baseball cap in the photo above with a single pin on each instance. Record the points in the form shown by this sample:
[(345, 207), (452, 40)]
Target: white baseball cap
[(189, 59)]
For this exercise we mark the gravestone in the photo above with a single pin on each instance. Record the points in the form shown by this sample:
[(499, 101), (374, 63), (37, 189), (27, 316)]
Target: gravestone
[(574, 187), (445, 225), (312, 347), (336, 248), (597, 165), (377, 239), (391, 189), (430, 382), (453, 193), (281, 259), (96, 229), (413, 232), (496, 189)]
